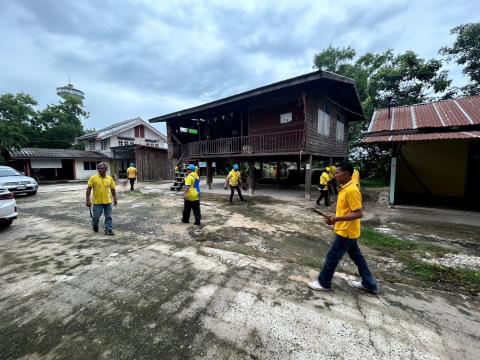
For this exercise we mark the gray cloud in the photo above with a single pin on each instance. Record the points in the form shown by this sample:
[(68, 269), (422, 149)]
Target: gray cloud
[(146, 58)]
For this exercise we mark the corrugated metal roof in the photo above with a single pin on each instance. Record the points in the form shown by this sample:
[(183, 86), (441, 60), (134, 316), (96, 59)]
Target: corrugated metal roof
[(445, 113), (38, 153), (423, 137)]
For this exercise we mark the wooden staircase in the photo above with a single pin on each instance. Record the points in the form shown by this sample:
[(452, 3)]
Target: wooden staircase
[(179, 181)]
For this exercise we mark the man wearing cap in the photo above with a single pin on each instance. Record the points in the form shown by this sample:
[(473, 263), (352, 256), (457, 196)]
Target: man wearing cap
[(234, 180), (103, 188), (132, 175), (191, 196)]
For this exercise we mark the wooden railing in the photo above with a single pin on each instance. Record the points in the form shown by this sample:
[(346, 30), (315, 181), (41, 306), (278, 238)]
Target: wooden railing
[(266, 143)]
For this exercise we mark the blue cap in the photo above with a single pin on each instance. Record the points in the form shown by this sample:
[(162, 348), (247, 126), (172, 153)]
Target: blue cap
[(132, 164), (235, 166), (191, 167)]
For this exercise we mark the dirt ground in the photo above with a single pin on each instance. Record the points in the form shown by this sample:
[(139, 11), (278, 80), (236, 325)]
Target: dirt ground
[(232, 289)]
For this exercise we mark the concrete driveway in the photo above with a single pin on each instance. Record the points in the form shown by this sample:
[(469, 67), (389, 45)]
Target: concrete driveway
[(234, 289)]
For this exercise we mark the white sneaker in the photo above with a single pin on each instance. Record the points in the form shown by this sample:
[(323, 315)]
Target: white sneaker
[(315, 285), (358, 285)]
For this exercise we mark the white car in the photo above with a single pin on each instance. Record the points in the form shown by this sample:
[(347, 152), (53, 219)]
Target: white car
[(17, 183), (8, 208)]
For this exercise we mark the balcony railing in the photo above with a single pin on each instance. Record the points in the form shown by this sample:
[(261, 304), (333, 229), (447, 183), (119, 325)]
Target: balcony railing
[(278, 142)]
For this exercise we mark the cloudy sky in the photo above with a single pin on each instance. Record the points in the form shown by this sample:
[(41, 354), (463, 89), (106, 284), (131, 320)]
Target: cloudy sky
[(147, 57)]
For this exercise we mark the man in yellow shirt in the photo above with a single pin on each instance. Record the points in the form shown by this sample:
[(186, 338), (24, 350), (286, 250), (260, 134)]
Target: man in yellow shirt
[(191, 196), (132, 175), (346, 223), (324, 180), (103, 188), (234, 180)]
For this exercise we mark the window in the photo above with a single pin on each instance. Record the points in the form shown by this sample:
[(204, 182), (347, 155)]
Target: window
[(324, 120), (89, 165), (340, 128), (120, 143), (91, 144), (139, 131), (105, 144), (286, 118)]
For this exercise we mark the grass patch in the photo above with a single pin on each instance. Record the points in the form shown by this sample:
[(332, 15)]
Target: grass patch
[(392, 245), (411, 253), (373, 183)]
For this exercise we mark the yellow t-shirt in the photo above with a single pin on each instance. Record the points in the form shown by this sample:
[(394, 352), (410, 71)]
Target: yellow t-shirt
[(234, 176), (356, 177), (192, 193), (101, 189), (132, 172), (324, 179), (349, 200)]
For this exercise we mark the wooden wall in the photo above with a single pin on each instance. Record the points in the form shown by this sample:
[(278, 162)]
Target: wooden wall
[(267, 120), (316, 143), (152, 164)]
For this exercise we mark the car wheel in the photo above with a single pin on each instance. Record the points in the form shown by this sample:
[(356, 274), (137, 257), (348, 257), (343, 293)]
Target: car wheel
[(32, 193), (5, 223)]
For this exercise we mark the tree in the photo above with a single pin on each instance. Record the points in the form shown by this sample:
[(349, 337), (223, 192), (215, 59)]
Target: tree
[(18, 120), (62, 123), (466, 52), (383, 80)]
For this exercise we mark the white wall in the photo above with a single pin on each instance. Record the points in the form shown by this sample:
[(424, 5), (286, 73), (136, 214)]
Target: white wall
[(81, 174)]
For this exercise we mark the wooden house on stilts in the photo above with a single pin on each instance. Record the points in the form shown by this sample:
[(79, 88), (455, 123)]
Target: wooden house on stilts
[(298, 120)]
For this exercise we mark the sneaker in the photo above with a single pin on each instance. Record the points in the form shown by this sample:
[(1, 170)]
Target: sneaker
[(95, 228), (109, 232), (359, 285), (196, 223), (315, 285), (185, 222)]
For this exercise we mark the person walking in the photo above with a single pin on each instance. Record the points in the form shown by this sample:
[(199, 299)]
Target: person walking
[(132, 175), (356, 177), (346, 223), (234, 180), (324, 180), (191, 196), (333, 182), (103, 187)]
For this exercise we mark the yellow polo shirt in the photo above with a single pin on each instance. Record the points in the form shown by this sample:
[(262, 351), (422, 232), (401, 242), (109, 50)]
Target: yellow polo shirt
[(192, 193), (132, 172), (234, 176), (101, 189), (324, 179), (349, 199)]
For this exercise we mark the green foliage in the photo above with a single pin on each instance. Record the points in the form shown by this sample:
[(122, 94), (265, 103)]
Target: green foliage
[(382, 80), (56, 126), (466, 52), (18, 120)]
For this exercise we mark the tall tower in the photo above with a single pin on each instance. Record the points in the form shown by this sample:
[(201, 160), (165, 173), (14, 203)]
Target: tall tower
[(69, 90)]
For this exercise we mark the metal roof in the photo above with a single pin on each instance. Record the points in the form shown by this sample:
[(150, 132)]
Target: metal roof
[(354, 107), (39, 153), (118, 127), (439, 114), (460, 135)]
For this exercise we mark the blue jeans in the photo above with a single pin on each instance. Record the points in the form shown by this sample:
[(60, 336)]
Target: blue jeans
[(97, 212), (339, 247)]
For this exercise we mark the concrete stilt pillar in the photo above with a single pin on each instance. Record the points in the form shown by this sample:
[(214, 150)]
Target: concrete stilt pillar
[(308, 178)]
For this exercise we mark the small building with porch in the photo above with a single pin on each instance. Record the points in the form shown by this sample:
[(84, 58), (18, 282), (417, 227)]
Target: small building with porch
[(55, 164), (294, 121), (435, 152)]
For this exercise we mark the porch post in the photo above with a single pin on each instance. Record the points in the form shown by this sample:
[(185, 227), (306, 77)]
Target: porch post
[(251, 177), (278, 174), (209, 174), (393, 175), (308, 178)]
